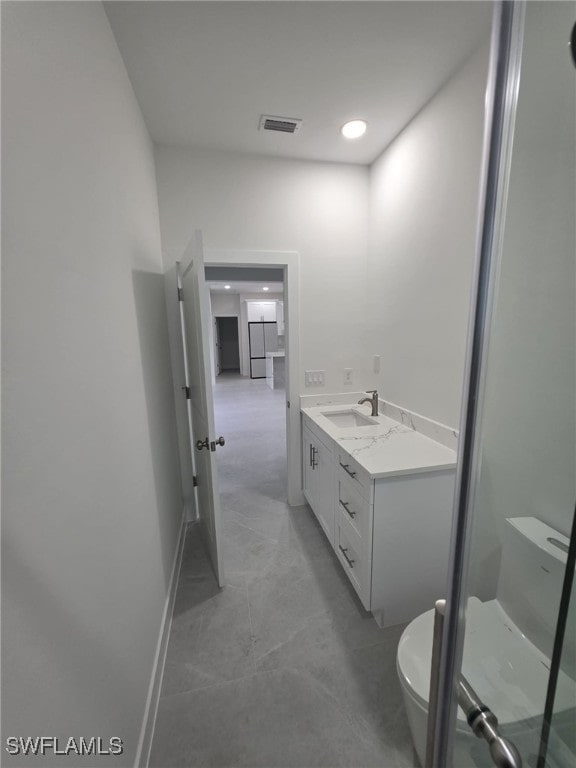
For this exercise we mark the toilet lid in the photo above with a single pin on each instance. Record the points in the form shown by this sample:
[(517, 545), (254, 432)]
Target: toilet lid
[(509, 674)]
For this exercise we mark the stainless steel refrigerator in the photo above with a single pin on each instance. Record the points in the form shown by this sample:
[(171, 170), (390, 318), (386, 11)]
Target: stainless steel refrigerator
[(262, 338)]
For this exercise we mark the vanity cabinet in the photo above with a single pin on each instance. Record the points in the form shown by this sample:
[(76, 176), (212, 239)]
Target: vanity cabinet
[(391, 535)]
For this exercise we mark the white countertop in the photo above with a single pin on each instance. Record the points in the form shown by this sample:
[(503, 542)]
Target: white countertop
[(386, 448)]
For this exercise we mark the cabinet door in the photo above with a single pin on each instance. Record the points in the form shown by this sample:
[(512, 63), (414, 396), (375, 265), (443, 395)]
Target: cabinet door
[(269, 311), (261, 311), (319, 481), (325, 487), (254, 311), (308, 474)]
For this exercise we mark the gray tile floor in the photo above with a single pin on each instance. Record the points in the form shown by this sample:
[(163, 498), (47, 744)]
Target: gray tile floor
[(283, 667)]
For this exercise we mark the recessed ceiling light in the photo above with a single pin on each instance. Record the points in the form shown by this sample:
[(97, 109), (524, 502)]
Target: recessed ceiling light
[(354, 129), (227, 287), (265, 288)]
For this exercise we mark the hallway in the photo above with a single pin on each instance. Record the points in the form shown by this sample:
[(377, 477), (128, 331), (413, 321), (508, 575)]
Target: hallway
[(283, 667)]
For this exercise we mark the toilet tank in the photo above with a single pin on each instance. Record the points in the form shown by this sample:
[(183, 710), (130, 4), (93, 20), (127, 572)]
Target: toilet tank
[(531, 578)]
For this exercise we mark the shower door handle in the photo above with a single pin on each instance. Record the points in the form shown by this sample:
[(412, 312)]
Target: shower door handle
[(439, 611), (484, 724), (480, 718)]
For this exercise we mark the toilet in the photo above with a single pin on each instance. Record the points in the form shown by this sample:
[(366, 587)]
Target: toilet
[(507, 646)]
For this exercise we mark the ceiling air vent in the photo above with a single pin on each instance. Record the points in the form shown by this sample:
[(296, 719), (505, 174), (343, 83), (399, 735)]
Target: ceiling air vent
[(281, 124)]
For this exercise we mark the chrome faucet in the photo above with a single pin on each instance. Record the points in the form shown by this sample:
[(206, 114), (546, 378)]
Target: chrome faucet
[(372, 400)]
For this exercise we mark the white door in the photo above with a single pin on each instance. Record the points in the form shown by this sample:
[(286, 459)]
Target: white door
[(216, 347), (197, 326), (177, 335)]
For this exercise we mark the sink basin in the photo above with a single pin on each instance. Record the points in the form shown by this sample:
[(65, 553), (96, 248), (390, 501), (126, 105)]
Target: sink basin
[(351, 418)]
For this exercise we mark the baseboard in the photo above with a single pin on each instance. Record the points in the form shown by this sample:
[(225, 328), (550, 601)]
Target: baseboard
[(149, 720), (297, 499)]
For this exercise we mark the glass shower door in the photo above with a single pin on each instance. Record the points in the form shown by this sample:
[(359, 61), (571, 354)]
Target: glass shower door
[(504, 690), (558, 741)]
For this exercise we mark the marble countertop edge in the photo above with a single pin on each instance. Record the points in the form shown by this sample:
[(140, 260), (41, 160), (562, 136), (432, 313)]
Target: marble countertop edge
[(386, 449)]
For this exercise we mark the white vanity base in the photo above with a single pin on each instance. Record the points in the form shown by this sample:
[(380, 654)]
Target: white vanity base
[(383, 496)]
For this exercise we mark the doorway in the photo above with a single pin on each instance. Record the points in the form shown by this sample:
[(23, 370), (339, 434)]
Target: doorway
[(287, 264), (273, 651), (250, 405), (227, 352)]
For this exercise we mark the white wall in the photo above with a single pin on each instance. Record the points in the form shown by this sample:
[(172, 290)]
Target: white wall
[(225, 304), (529, 452), (423, 210), (261, 203), (91, 507)]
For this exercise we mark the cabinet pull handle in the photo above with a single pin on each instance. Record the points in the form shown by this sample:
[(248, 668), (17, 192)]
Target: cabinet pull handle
[(314, 462), (310, 456), (347, 508), (349, 471), (348, 559)]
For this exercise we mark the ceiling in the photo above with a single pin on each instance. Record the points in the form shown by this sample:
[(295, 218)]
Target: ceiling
[(245, 287), (204, 72)]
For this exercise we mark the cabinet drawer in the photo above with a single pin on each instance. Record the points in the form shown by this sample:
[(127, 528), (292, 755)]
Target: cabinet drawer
[(354, 508), (349, 468), (355, 561)]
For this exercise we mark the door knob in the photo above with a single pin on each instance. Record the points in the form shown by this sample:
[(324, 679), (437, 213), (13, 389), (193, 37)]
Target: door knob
[(202, 444), (214, 443)]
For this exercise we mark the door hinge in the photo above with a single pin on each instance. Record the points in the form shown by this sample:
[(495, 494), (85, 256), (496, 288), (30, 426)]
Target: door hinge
[(187, 392), (180, 294), (195, 481)]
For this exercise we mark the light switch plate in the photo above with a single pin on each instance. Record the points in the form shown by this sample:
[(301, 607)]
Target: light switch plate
[(348, 376), (314, 378)]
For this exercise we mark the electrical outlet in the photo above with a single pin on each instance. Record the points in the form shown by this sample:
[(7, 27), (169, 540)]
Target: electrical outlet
[(347, 375), (376, 363), (314, 378)]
